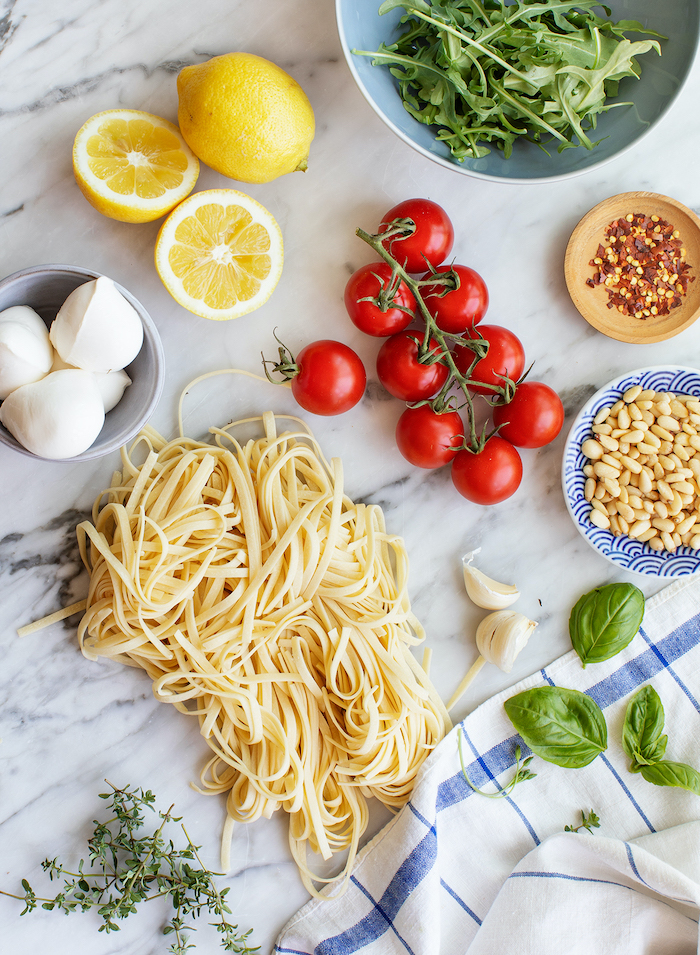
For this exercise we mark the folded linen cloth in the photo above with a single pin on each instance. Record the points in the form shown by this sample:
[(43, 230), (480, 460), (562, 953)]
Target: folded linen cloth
[(456, 873)]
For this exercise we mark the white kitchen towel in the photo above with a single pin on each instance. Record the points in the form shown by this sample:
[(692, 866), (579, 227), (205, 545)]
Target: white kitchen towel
[(449, 874)]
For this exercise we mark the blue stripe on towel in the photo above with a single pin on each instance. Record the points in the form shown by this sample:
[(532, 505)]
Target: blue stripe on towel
[(460, 902), (570, 878), (662, 652), (627, 793), (410, 874), (480, 760)]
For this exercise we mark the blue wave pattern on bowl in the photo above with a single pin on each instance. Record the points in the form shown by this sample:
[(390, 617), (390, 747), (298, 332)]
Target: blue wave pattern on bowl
[(624, 551)]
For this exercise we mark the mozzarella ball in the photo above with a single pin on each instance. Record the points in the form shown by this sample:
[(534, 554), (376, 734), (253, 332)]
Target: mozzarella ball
[(57, 417), (96, 328), (26, 316), (24, 356), (112, 384)]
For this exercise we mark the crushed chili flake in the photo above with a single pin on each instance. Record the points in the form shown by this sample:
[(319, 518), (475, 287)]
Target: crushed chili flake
[(642, 265)]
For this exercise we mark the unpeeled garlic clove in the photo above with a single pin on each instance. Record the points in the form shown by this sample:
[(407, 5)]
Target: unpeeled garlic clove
[(502, 635), (484, 591)]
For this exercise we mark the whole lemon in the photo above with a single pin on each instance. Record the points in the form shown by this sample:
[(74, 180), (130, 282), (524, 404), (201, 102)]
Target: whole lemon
[(245, 117)]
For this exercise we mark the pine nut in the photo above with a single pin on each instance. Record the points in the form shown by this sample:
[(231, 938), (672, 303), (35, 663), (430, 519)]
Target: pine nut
[(643, 468), (686, 525), (600, 520), (602, 470), (591, 449)]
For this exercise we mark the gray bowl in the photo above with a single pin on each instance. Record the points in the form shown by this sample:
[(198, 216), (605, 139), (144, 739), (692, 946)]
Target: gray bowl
[(45, 288), (360, 27)]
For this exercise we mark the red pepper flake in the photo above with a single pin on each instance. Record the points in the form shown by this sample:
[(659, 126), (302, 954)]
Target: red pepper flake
[(642, 265)]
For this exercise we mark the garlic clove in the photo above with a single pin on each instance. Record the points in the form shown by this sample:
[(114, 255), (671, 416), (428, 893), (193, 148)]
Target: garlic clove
[(96, 328), (57, 417), (484, 591), (502, 635), (25, 357), (26, 316)]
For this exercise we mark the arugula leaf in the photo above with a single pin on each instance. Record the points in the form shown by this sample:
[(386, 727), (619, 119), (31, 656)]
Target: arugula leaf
[(605, 620), (563, 726), (641, 732), (488, 72)]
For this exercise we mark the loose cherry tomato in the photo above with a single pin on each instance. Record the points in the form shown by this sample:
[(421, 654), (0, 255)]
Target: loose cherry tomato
[(432, 240), (427, 439), (533, 418), (330, 379), (461, 308), (506, 356), (374, 281), (490, 476), (402, 374)]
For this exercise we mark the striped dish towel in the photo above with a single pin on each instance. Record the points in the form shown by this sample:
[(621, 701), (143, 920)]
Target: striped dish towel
[(455, 872)]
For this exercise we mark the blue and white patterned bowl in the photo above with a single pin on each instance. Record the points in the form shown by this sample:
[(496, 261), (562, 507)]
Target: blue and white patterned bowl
[(624, 551)]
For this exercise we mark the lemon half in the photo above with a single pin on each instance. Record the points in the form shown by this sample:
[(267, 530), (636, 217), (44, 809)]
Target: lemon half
[(219, 254), (133, 166)]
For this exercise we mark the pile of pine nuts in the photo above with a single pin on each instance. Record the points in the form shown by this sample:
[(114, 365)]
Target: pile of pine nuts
[(643, 479)]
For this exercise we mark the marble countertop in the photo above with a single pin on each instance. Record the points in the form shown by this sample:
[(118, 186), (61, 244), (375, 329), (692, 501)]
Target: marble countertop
[(68, 724)]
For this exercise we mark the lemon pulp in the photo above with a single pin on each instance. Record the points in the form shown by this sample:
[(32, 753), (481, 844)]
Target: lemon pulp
[(132, 165), (220, 254)]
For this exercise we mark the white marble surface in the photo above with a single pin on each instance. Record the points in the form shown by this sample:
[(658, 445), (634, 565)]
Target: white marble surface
[(67, 724)]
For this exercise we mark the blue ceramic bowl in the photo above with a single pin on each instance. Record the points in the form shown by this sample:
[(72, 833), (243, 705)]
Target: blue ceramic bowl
[(624, 551), (360, 27)]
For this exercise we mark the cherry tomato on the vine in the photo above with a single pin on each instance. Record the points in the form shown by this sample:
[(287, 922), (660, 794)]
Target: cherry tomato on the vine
[(460, 309), (369, 282), (331, 378), (506, 356), (428, 439), (533, 418), (402, 374), (490, 476), (432, 240)]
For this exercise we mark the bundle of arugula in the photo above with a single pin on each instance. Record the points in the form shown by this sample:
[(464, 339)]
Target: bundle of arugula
[(487, 71)]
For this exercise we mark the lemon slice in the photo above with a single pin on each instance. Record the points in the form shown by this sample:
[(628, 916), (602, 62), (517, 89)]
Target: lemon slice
[(133, 166), (219, 254)]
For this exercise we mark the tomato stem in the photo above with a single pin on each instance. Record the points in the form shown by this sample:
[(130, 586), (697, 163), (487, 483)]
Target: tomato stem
[(286, 366), (479, 345)]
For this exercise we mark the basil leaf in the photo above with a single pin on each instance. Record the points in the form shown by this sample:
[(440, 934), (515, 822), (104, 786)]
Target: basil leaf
[(563, 726), (665, 773), (605, 620), (641, 732)]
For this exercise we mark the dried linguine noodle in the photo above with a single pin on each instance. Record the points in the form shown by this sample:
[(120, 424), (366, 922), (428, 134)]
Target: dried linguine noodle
[(258, 597)]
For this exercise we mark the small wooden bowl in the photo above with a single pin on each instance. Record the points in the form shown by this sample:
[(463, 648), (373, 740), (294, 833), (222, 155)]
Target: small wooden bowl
[(592, 302)]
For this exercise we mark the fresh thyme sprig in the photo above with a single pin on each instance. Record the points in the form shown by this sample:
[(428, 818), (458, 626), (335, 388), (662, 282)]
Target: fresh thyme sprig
[(522, 774), (133, 868), (590, 822)]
